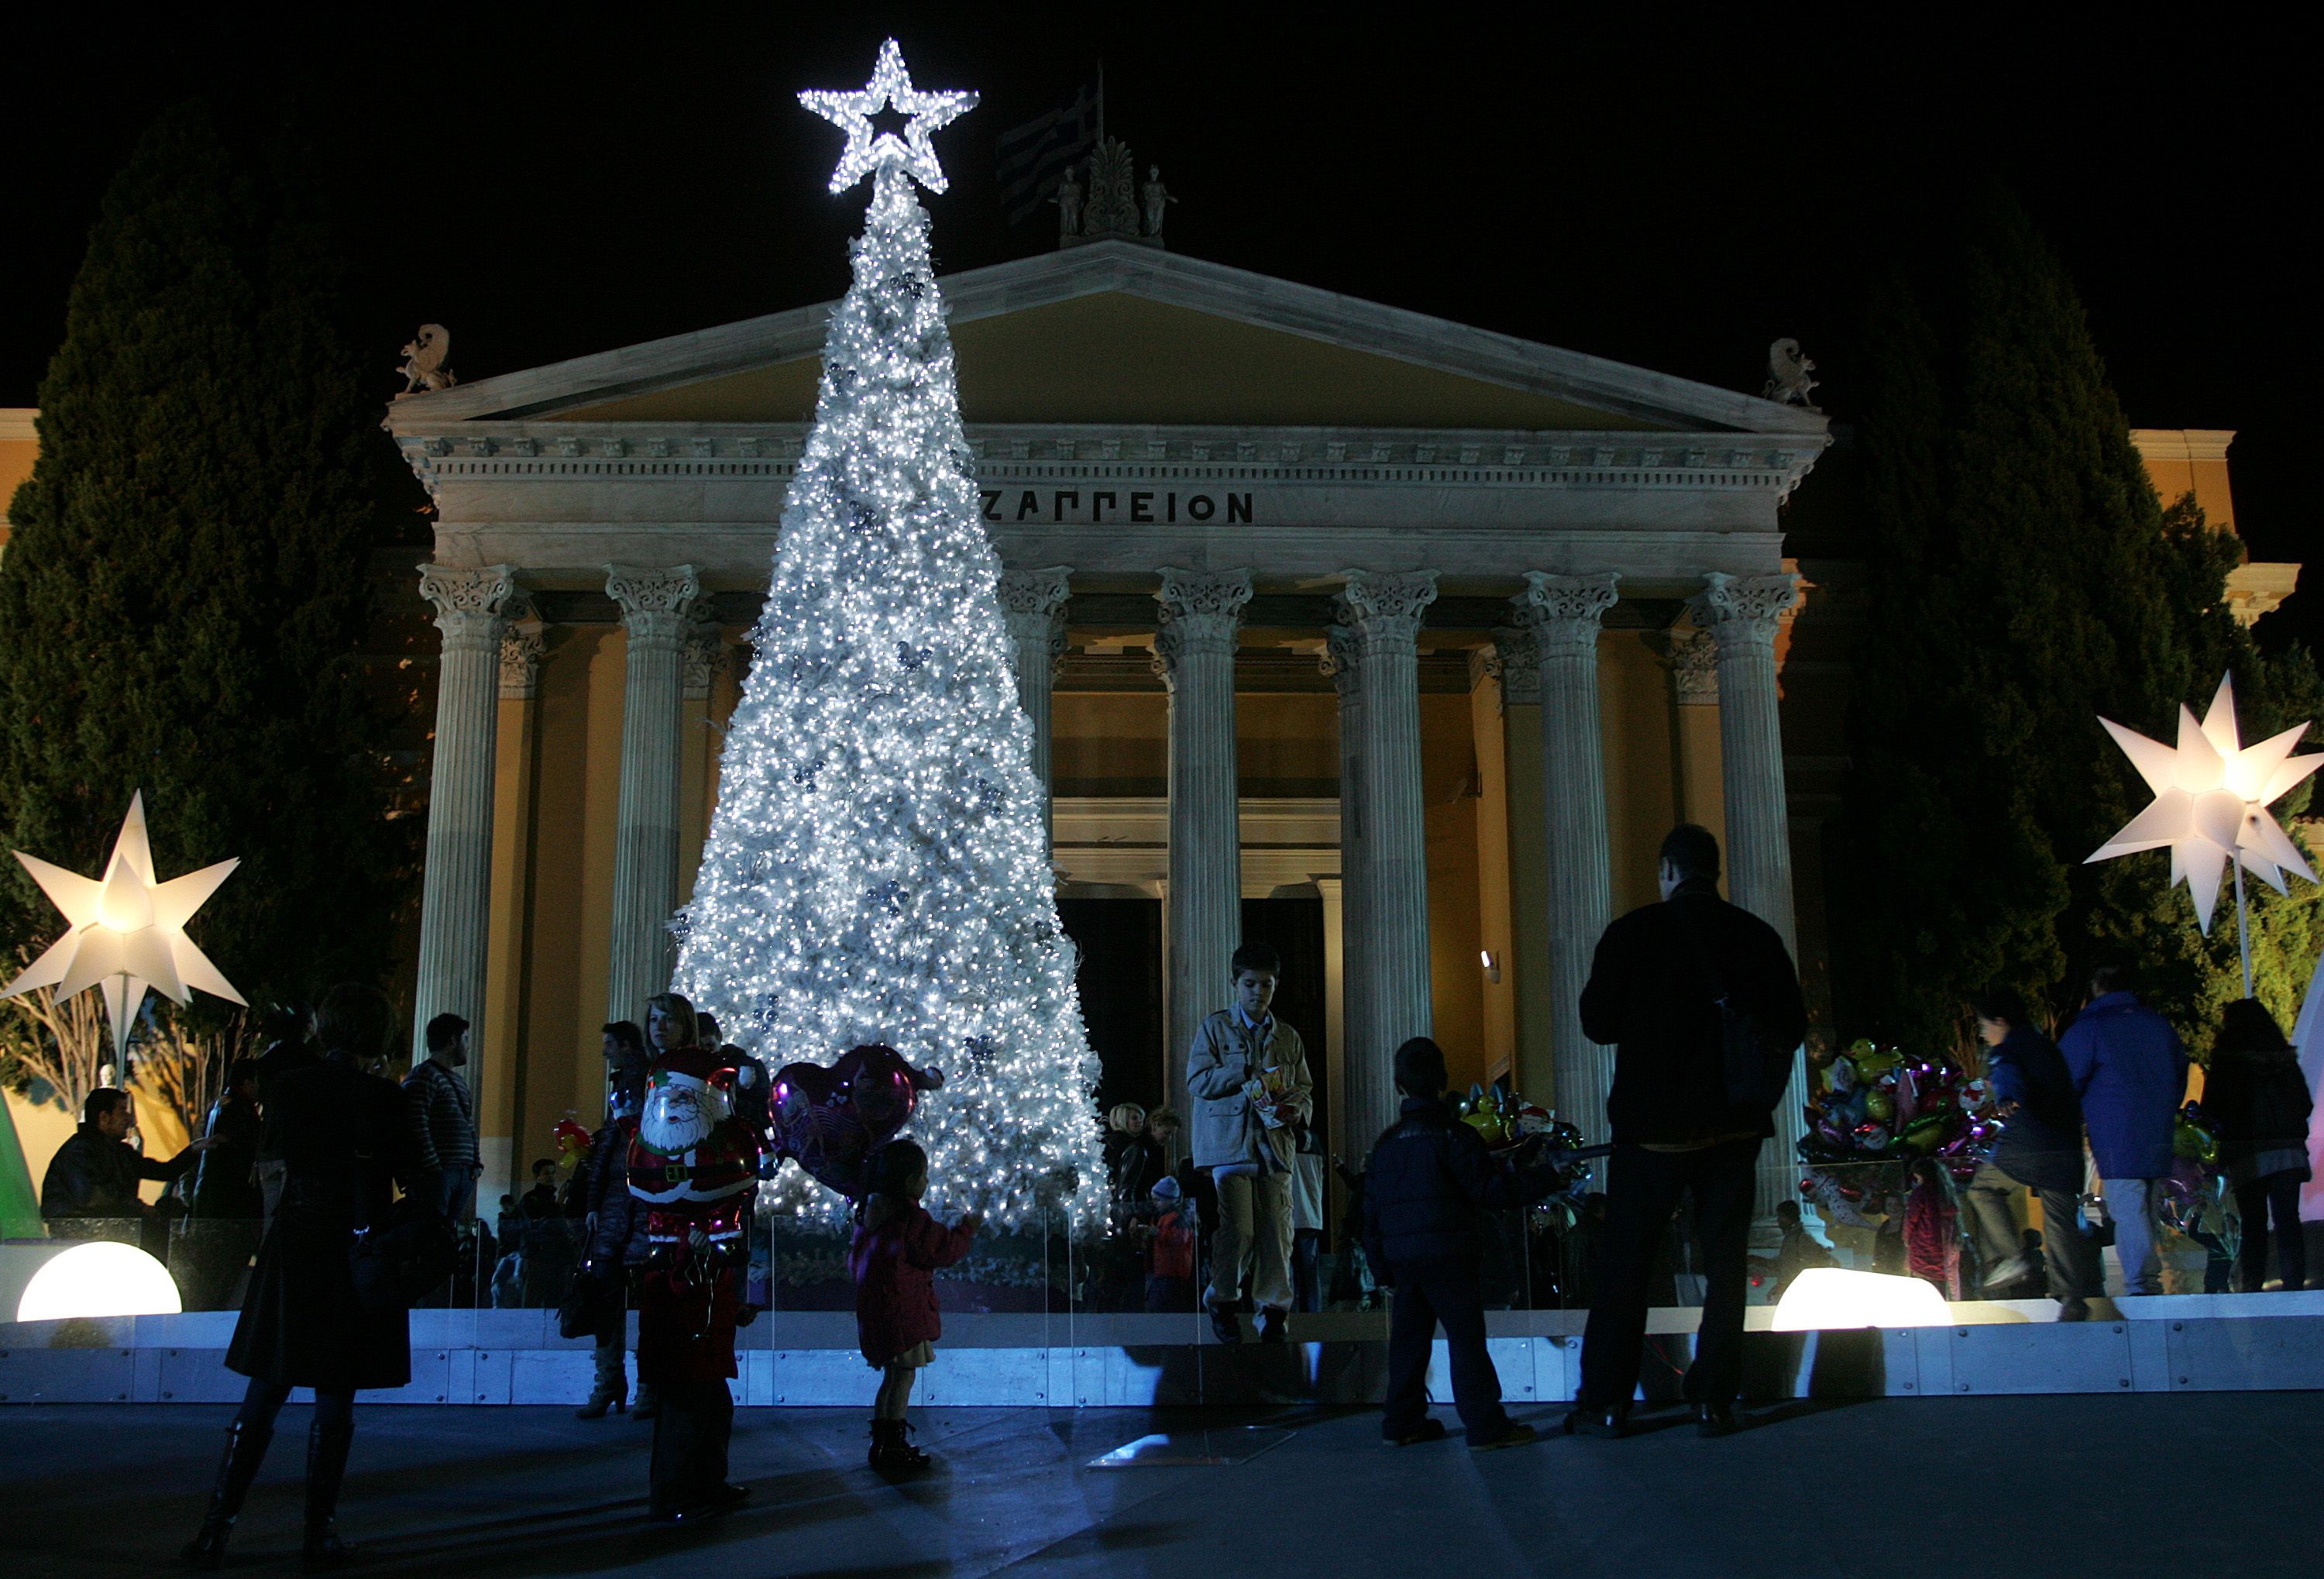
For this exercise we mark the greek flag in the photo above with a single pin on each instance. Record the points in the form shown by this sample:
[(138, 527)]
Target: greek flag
[(1033, 157)]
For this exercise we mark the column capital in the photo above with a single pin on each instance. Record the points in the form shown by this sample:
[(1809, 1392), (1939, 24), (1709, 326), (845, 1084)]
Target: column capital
[(1043, 593), (1563, 612), (471, 604), (1201, 611), (522, 642), (1385, 606), (1693, 656), (1520, 656), (702, 659), (656, 604), (1033, 603), (1743, 610), (1341, 658)]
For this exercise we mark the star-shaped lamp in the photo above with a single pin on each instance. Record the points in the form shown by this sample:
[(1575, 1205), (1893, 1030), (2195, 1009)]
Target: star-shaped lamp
[(869, 149), (127, 931), (2211, 796)]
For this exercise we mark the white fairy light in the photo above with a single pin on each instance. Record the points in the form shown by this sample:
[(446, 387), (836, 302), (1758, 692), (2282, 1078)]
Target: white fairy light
[(2211, 796), (877, 869)]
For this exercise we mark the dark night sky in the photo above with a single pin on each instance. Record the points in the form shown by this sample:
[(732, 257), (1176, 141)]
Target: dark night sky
[(554, 181)]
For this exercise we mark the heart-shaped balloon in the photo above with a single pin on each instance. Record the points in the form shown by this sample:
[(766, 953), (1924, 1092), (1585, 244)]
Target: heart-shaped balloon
[(829, 1119)]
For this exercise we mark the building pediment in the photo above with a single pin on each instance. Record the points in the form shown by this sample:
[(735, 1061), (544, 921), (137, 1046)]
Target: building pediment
[(1113, 334)]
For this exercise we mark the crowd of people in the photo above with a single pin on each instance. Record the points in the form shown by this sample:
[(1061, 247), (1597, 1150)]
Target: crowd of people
[(324, 1200)]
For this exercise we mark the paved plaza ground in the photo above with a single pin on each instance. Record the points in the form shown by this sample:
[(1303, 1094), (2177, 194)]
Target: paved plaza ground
[(2145, 1484)]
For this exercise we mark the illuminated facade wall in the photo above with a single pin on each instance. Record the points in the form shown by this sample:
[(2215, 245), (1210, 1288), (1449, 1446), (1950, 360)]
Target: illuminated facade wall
[(1134, 412)]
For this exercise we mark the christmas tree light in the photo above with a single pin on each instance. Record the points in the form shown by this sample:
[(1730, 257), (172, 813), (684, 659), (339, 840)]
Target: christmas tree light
[(877, 869)]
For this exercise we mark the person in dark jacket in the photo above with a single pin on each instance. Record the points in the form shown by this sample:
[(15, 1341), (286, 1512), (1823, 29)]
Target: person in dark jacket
[(2130, 1073), (2257, 1098), (287, 1031), (1655, 991), (1427, 1185), (346, 1138), (224, 1217), (2039, 1148), (604, 1271), (95, 1174)]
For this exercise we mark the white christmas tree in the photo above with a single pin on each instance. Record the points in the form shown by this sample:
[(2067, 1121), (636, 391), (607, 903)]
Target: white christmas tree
[(877, 870)]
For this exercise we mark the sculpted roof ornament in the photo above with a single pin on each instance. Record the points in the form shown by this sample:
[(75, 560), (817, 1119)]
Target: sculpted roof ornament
[(1788, 383), (424, 370), (1114, 204)]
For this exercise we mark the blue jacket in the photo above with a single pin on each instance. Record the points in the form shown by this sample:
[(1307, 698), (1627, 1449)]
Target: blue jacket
[(1428, 1188), (2041, 1143), (2131, 1073)]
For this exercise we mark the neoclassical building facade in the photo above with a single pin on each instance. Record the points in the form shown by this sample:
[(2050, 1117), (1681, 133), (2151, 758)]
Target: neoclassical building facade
[(1423, 633)]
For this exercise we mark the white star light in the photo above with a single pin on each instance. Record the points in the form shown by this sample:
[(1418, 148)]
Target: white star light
[(890, 84), (2211, 795), (128, 930)]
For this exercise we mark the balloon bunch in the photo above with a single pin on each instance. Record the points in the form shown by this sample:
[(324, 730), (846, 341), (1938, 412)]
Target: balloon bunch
[(1504, 1119), (830, 1120), (1878, 1104), (2197, 1198), (1529, 1137)]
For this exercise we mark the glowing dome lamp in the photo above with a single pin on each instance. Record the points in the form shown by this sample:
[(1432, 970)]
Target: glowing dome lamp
[(99, 1278), (1828, 1298)]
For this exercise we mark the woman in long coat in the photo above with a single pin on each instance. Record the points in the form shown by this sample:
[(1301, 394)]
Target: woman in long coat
[(2255, 1093), (314, 1317)]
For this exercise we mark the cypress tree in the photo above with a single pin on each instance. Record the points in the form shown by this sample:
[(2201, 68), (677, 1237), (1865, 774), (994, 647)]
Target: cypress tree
[(185, 591), (2026, 580)]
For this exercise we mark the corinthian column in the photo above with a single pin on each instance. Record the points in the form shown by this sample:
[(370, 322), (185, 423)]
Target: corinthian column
[(1344, 661), (1034, 603), (1193, 652), (657, 613), (1562, 613), (1742, 614), (456, 891), (1381, 615), (1521, 756)]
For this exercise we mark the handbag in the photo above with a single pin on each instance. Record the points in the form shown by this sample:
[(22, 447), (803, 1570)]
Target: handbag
[(400, 1259), (586, 1303), (1754, 1072)]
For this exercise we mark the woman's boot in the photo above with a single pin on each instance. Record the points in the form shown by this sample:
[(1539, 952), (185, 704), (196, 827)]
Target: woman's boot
[(648, 1405), (245, 1450), (326, 1467), (901, 1453), (890, 1449), (611, 1390)]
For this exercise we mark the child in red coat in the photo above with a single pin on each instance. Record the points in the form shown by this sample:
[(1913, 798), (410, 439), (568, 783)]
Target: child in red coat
[(898, 1245)]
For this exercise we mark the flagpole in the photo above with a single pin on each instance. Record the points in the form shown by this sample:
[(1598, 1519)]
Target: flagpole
[(2242, 926)]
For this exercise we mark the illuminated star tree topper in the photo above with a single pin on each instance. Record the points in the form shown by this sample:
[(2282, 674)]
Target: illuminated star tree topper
[(877, 869), (2211, 796), (126, 930), (868, 151)]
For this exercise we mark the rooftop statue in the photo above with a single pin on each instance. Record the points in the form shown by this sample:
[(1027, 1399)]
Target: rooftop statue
[(1788, 380), (424, 356), (1155, 198)]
